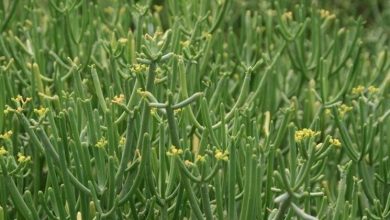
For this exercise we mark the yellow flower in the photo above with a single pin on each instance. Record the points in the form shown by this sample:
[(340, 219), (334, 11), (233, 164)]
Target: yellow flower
[(219, 155), (200, 158), (372, 89), (173, 151), (153, 111), (101, 143), (328, 112), (185, 43), (41, 111), (138, 68), (21, 100), (23, 159), (19, 109), (8, 110), (305, 133), (3, 151), (158, 8), (287, 15), (118, 99), (343, 109), (177, 111), (206, 35), (271, 12), (143, 94), (109, 10), (7, 135), (122, 141), (335, 142), (326, 14), (358, 90)]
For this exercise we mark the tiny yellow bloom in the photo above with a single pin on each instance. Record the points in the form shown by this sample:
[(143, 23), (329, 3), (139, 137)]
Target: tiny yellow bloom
[(358, 90), (200, 158), (8, 110), (173, 151), (219, 155), (372, 89), (19, 109), (185, 43), (326, 14), (118, 99), (271, 12), (3, 151), (142, 93), (138, 68), (305, 133), (343, 109), (7, 135), (23, 159), (177, 111), (41, 112), (328, 112), (206, 35), (335, 142), (153, 111), (109, 10), (288, 15), (158, 8), (122, 141), (21, 100), (101, 143)]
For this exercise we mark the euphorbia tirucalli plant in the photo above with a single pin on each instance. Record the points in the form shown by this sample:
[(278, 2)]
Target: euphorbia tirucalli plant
[(193, 110)]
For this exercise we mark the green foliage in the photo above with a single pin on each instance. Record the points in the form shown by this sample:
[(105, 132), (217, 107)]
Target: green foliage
[(194, 110)]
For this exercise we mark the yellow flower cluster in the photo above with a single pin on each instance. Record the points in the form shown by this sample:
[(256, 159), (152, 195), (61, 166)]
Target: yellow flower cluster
[(200, 158), (3, 151), (220, 155), (158, 8), (173, 151), (360, 89), (142, 93), (7, 110), (177, 111), (305, 133), (7, 135), (357, 90), (185, 43), (271, 12), (372, 89), (326, 14), (287, 15), (21, 100), (206, 35), (101, 143), (41, 112), (153, 111), (335, 142), (122, 141), (118, 99), (138, 68), (343, 109), (23, 158)]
